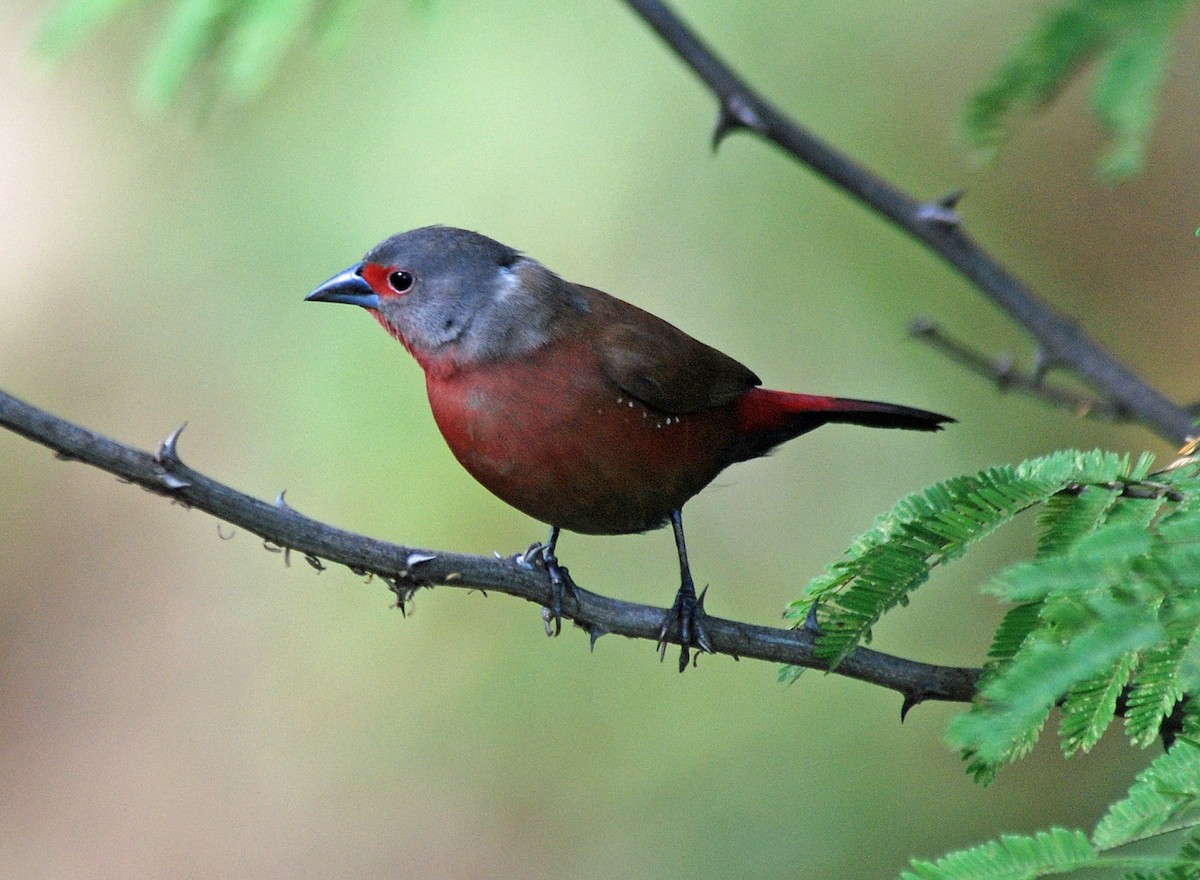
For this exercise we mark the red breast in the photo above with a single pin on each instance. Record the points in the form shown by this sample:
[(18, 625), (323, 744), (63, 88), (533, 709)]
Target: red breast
[(551, 435)]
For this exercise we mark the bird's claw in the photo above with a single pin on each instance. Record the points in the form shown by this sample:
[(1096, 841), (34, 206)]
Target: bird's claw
[(530, 556), (560, 582), (688, 614)]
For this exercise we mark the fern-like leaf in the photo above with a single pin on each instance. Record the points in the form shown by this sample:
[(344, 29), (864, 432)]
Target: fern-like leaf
[(1133, 41), (1016, 626), (931, 527), (1012, 857), (235, 46), (1157, 689), (1163, 792), (1013, 704), (923, 530), (1068, 517), (1091, 705)]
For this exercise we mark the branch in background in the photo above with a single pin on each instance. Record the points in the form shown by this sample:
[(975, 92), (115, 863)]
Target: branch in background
[(936, 225), (1007, 377), (406, 569)]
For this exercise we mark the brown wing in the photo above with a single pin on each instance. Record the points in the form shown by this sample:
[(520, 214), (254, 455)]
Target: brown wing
[(660, 365)]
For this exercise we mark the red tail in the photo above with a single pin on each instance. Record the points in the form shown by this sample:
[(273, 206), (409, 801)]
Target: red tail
[(768, 418)]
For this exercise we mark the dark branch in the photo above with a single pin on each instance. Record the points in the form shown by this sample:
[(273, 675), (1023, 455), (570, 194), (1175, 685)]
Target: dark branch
[(408, 568), (1007, 377), (933, 224)]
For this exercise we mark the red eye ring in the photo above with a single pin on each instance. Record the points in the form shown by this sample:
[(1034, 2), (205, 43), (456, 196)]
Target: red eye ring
[(401, 281)]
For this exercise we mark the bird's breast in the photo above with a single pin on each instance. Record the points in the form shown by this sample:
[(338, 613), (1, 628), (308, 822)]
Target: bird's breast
[(552, 436)]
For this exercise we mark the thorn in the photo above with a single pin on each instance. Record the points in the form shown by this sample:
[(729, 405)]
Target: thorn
[(951, 199), (1043, 362), (810, 620), (168, 452), (172, 482), (314, 561), (271, 547), (279, 501), (415, 559), (736, 111), (594, 633), (548, 622), (942, 212), (358, 570), (910, 700), (1005, 368), (287, 557), (223, 536), (65, 456), (922, 325), (453, 576), (402, 593)]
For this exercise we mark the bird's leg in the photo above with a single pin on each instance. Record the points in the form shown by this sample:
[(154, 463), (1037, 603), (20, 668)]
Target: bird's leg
[(688, 610), (560, 581)]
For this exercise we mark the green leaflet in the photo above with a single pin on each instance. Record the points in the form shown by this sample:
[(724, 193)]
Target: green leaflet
[(1131, 39), (1106, 614), (1013, 702), (934, 526), (1012, 857), (1163, 792), (1162, 800), (235, 46)]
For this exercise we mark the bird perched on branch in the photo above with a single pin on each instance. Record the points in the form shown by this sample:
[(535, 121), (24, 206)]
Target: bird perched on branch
[(573, 406)]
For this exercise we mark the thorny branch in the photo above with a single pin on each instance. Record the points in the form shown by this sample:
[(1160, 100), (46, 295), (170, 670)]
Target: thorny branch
[(936, 224), (406, 569)]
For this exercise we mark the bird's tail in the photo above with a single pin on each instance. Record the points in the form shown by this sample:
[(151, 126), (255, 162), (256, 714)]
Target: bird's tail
[(768, 418)]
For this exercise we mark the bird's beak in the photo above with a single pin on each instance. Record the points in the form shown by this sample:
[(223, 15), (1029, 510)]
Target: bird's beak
[(346, 287)]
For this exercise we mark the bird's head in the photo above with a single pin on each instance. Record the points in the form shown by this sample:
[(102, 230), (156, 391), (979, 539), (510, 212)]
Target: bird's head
[(455, 297)]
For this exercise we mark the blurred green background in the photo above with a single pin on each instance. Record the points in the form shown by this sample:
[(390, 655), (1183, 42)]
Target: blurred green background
[(174, 704)]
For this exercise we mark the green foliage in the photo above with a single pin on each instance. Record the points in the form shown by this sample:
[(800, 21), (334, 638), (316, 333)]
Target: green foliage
[(1162, 802), (935, 526), (1166, 791), (1104, 617), (1011, 857), (1131, 39), (233, 46)]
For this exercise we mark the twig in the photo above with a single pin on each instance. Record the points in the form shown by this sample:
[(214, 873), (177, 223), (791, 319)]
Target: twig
[(406, 569), (936, 225), (1004, 373)]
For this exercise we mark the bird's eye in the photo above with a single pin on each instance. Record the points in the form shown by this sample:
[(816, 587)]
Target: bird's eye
[(401, 281)]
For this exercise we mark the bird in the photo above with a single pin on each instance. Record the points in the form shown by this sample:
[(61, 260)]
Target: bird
[(577, 408)]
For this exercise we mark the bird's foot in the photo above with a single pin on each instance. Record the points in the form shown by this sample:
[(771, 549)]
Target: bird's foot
[(688, 615), (560, 583)]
